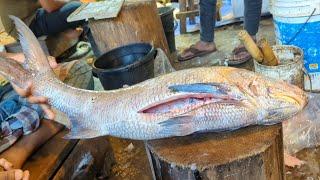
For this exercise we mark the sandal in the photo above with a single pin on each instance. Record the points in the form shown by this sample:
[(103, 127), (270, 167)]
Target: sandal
[(194, 53), (239, 55)]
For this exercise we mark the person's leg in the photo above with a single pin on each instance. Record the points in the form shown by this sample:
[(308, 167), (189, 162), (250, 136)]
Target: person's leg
[(22, 149), (207, 20), (252, 15), (207, 23), (53, 23)]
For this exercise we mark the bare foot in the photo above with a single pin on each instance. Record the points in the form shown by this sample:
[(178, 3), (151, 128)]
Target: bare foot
[(12, 174), (24, 147), (292, 161)]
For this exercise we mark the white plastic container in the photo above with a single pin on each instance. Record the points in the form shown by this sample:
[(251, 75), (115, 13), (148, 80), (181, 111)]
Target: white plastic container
[(238, 8), (297, 22)]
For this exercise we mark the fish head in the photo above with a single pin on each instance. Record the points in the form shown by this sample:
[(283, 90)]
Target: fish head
[(278, 100)]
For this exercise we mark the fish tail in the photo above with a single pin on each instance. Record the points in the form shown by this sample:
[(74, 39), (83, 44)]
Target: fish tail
[(14, 72), (36, 60)]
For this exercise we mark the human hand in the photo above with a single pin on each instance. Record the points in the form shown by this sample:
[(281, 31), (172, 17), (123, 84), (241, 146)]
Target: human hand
[(12, 174), (19, 57), (28, 92)]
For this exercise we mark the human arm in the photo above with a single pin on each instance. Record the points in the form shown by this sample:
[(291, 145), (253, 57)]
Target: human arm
[(52, 5)]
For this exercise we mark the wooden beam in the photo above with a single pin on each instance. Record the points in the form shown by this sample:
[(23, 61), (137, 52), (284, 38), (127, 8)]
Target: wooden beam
[(181, 15)]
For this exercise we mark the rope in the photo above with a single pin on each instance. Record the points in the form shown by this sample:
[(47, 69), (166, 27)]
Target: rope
[(302, 27)]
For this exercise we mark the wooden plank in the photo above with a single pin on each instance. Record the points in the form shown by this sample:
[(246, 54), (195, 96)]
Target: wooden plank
[(181, 15), (97, 10), (89, 159), (46, 161)]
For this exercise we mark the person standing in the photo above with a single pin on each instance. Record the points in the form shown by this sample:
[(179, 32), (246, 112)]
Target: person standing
[(206, 44)]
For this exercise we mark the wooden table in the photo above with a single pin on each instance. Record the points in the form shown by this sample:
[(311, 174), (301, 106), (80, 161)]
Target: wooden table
[(71, 159)]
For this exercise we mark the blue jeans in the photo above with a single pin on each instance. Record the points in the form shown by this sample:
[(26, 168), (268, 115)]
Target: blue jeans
[(14, 109), (252, 14), (53, 23)]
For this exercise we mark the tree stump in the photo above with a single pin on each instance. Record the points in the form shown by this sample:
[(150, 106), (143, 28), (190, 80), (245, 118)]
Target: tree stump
[(249, 153), (138, 21)]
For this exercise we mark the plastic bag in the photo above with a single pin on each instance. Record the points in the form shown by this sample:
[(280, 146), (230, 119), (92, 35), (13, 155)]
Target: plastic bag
[(162, 64), (303, 130)]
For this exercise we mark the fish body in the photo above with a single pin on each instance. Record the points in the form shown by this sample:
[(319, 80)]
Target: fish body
[(175, 104)]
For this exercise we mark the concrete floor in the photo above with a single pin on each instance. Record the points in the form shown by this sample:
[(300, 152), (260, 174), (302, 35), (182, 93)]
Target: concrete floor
[(131, 158)]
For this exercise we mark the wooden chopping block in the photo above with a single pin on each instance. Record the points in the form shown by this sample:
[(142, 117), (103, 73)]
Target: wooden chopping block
[(138, 21), (249, 153)]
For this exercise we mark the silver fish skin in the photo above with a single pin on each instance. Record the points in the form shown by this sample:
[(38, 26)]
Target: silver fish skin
[(176, 104)]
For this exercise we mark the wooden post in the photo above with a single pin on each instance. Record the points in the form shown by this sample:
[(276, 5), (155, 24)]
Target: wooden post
[(138, 21), (250, 153), (191, 7), (183, 19)]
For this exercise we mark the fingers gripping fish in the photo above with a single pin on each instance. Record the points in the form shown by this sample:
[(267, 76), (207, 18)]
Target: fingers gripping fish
[(175, 104)]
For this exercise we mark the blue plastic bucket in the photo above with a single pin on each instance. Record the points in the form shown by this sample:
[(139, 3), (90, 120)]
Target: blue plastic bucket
[(297, 22)]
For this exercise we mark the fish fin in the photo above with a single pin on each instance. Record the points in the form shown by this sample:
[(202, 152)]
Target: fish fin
[(81, 133), (78, 131), (36, 60), (210, 88), (179, 126), (14, 72)]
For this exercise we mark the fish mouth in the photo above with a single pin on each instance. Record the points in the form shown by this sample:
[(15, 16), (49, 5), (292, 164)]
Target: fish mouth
[(300, 101)]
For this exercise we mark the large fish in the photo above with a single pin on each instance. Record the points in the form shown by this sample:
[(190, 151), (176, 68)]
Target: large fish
[(175, 104)]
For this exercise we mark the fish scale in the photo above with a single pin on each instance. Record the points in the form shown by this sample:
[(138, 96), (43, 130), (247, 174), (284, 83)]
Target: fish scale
[(224, 114)]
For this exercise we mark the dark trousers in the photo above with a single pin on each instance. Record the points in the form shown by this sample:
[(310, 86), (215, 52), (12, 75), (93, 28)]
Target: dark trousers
[(252, 14), (53, 23)]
